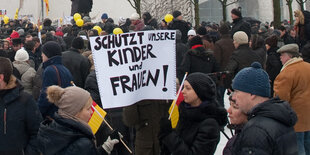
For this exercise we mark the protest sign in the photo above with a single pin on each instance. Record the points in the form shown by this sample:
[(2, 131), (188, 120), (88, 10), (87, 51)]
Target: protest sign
[(134, 66)]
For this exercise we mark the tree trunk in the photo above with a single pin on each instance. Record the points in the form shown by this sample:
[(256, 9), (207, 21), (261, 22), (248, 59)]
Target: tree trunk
[(138, 5), (276, 14), (301, 4), (290, 10), (224, 7), (196, 14)]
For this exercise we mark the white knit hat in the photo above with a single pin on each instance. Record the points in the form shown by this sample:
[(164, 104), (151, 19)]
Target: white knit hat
[(134, 16), (21, 55), (121, 21), (241, 37), (191, 33)]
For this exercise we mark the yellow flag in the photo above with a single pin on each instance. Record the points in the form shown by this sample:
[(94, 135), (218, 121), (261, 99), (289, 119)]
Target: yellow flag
[(47, 6), (174, 109), (96, 118), (16, 14), (174, 115)]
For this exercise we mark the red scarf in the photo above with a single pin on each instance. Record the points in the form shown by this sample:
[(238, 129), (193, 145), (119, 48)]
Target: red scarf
[(196, 46)]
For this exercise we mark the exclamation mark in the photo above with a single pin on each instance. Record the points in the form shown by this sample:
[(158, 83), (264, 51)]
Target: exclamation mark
[(165, 67)]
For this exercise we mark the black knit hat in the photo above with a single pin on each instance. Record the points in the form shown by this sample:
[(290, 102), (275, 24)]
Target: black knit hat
[(203, 86), (51, 48), (78, 43), (201, 30), (236, 12), (195, 41), (176, 14)]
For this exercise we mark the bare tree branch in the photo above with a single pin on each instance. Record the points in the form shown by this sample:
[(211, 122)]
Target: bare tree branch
[(234, 1), (301, 1), (134, 6)]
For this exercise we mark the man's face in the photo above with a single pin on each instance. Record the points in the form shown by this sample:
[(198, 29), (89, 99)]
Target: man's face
[(236, 44), (16, 47), (242, 100), (284, 58), (233, 16)]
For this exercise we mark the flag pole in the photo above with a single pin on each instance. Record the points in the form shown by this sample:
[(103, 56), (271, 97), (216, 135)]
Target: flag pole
[(110, 127), (179, 91), (120, 135)]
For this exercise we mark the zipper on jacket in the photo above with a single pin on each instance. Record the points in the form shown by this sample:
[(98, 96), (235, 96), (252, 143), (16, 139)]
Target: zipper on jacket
[(4, 120)]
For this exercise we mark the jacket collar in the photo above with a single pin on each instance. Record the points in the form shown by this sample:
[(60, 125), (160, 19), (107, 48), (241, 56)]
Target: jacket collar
[(52, 61), (292, 61)]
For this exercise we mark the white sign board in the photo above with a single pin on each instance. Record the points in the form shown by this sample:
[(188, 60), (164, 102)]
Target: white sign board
[(134, 66)]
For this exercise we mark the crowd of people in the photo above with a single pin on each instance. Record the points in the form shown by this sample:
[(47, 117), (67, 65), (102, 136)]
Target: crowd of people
[(48, 84)]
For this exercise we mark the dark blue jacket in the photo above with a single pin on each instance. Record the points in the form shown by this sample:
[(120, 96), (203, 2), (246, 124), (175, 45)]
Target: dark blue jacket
[(269, 130), (50, 78), (19, 121), (66, 137)]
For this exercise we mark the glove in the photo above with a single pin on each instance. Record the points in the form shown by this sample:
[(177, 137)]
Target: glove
[(109, 144), (165, 128), (116, 134)]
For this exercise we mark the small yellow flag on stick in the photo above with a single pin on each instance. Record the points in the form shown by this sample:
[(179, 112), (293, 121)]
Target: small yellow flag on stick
[(96, 118), (174, 110)]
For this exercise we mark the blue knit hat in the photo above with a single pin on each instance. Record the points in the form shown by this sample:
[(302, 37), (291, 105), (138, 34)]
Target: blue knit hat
[(253, 80), (104, 16)]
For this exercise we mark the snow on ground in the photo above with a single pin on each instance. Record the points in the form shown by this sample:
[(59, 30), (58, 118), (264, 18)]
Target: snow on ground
[(223, 140)]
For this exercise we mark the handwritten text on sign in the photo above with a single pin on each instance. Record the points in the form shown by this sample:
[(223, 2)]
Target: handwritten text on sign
[(134, 66)]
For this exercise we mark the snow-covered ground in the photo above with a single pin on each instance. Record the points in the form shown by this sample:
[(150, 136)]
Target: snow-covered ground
[(223, 140)]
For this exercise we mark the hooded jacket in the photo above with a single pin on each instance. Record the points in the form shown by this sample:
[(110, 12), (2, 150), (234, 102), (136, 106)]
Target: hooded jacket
[(66, 137), (20, 121), (269, 130), (27, 75), (198, 130)]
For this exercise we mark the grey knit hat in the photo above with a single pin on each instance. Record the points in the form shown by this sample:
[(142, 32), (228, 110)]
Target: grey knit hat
[(70, 100)]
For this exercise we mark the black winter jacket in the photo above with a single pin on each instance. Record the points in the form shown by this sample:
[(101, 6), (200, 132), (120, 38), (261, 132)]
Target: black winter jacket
[(198, 130), (242, 57), (91, 86), (273, 65), (77, 64), (198, 60), (182, 26), (20, 120), (269, 130), (66, 137), (240, 25)]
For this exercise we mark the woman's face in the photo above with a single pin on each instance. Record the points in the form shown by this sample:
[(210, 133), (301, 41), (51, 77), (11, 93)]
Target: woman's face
[(190, 95), (5, 45), (86, 113), (44, 57), (235, 115)]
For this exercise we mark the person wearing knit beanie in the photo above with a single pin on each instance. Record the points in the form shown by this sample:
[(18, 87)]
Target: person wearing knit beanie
[(270, 120), (78, 43), (240, 38), (55, 73), (21, 55), (70, 129), (51, 49), (236, 12), (253, 80), (203, 86), (199, 111), (176, 14)]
